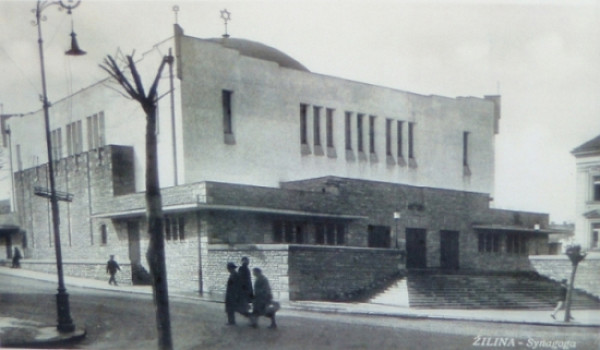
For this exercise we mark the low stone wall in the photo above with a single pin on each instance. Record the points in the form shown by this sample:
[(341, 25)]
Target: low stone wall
[(272, 259), (339, 273), (558, 267), (84, 269)]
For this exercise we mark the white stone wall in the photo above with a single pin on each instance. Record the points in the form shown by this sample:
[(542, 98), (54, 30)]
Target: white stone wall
[(265, 107)]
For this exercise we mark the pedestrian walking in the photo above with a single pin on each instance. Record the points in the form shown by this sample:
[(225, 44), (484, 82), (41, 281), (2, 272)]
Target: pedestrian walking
[(111, 267), (234, 298), (561, 299), (16, 259), (263, 304), (246, 280)]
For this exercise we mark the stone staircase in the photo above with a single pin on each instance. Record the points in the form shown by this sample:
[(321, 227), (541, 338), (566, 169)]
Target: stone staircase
[(395, 295), (477, 290)]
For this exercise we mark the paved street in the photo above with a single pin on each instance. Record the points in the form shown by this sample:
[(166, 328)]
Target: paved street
[(118, 320)]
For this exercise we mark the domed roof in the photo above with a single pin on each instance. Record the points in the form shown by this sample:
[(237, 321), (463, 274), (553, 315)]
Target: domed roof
[(261, 51)]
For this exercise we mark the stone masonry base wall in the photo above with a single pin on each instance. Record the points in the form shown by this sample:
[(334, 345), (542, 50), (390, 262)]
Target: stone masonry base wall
[(272, 259), (338, 273), (558, 267)]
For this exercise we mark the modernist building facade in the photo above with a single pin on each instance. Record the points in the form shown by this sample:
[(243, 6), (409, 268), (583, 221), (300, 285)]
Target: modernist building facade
[(587, 224), (329, 185)]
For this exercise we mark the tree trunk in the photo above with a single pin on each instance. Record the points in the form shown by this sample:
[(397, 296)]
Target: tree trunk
[(156, 250), (570, 294)]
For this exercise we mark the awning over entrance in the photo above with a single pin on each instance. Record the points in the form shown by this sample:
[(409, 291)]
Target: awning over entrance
[(234, 208), (515, 229)]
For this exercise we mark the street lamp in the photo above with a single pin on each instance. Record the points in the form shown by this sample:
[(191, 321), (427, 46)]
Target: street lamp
[(65, 323)]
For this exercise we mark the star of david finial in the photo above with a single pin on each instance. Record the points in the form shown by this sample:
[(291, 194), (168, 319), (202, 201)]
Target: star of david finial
[(226, 16)]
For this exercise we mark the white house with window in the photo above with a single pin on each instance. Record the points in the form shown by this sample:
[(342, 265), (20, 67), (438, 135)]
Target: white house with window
[(587, 224)]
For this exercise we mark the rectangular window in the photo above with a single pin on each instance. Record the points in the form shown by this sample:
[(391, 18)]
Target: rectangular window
[(289, 232), (227, 115), (388, 137), (595, 232), (329, 126), (299, 234), (330, 234), (317, 125), (101, 132), (277, 232), (399, 125), (174, 228), (516, 244), (488, 242), (74, 138), (69, 140), (319, 234), (303, 124), (348, 131), (56, 144), (596, 188), (103, 235), (79, 138), (466, 148), (372, 134), (341, 235), (359, 130), (411, 140)]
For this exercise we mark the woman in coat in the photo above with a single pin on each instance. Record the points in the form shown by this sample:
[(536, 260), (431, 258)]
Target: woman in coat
[(261, 305)]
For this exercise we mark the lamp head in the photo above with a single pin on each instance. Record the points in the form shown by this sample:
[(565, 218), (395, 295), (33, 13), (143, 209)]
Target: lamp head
[(75, 50)]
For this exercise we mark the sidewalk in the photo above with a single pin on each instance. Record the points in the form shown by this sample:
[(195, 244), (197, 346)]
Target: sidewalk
[(583, 318)]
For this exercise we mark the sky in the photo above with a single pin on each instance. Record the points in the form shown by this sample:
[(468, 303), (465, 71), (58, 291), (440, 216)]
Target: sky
[(542, 57)]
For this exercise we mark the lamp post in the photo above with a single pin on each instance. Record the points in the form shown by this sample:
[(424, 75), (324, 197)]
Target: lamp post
[(65, 323)]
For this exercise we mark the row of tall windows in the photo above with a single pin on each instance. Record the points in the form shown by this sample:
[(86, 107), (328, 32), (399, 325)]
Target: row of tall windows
[(174, 228), (286, 231), (74, 136), (490, 243), (366, 128)]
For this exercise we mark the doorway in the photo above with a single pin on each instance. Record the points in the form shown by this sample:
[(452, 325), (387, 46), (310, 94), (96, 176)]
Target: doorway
[(416, 248), (449, 250), (133, 235)]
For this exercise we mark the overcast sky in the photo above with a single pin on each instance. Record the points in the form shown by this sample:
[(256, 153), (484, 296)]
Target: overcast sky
[(543, 57)]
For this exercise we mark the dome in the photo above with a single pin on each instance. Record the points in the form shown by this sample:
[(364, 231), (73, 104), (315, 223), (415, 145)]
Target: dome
[(261, 51)]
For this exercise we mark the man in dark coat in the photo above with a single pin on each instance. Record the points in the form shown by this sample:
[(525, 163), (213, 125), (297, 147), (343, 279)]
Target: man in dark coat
[(246, 280), (16, 260), (111, 267), (234, 299), (263, 299)]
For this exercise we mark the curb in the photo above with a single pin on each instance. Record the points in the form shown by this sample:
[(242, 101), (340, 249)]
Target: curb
[(58, 340)]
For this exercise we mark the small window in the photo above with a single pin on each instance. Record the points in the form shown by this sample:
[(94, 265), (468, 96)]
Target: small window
[(359, 129), (174, 228), (348, 131), (516, 244), (488, 242), (388, 137), (303, 125), (399, 126), (341, 235), (330, 234), (227, 114), (277, 232), (317, 125), (596, 188), (103, 235), (319, 234), (466, 148), (411, 140), (595, 232), (329, 126), (372, 134), (289, 232)]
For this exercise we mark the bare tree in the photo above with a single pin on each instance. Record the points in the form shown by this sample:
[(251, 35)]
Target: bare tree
[(156, 250)]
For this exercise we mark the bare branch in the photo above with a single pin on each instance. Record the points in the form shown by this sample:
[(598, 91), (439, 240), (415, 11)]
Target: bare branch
[(118, 91), (136, 77), (152, 92), (112, 68)]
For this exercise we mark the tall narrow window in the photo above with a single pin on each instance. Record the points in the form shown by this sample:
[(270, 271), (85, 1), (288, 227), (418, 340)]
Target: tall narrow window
[(329, 126), (411, 140), (372, 134), (101, 132), (596, 188), (303, 125), (56, 143), (319, 233), (79, 136), (90, 132), (348, 131), (399, 126), (388, 137), (341, 235), (359, 129), (466, 148), (227, 116), (317, 125), (69, 140), (103, 235), (277, 232), (330, 234)]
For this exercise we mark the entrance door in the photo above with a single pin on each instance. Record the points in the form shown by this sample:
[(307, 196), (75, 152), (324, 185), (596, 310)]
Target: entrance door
[(133, 234), (449, 250), (416, 248)]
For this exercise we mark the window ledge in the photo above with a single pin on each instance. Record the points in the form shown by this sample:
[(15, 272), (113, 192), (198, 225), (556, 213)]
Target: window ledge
[(412, 163), (466, 170), (389, 160), (305, 149), (362, 156), (229, 139), (331, 152), (401, 161), (373, 158), (350, 155)]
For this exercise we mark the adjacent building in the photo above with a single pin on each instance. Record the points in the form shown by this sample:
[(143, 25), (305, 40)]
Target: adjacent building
[(329, 185), (587, 224)]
